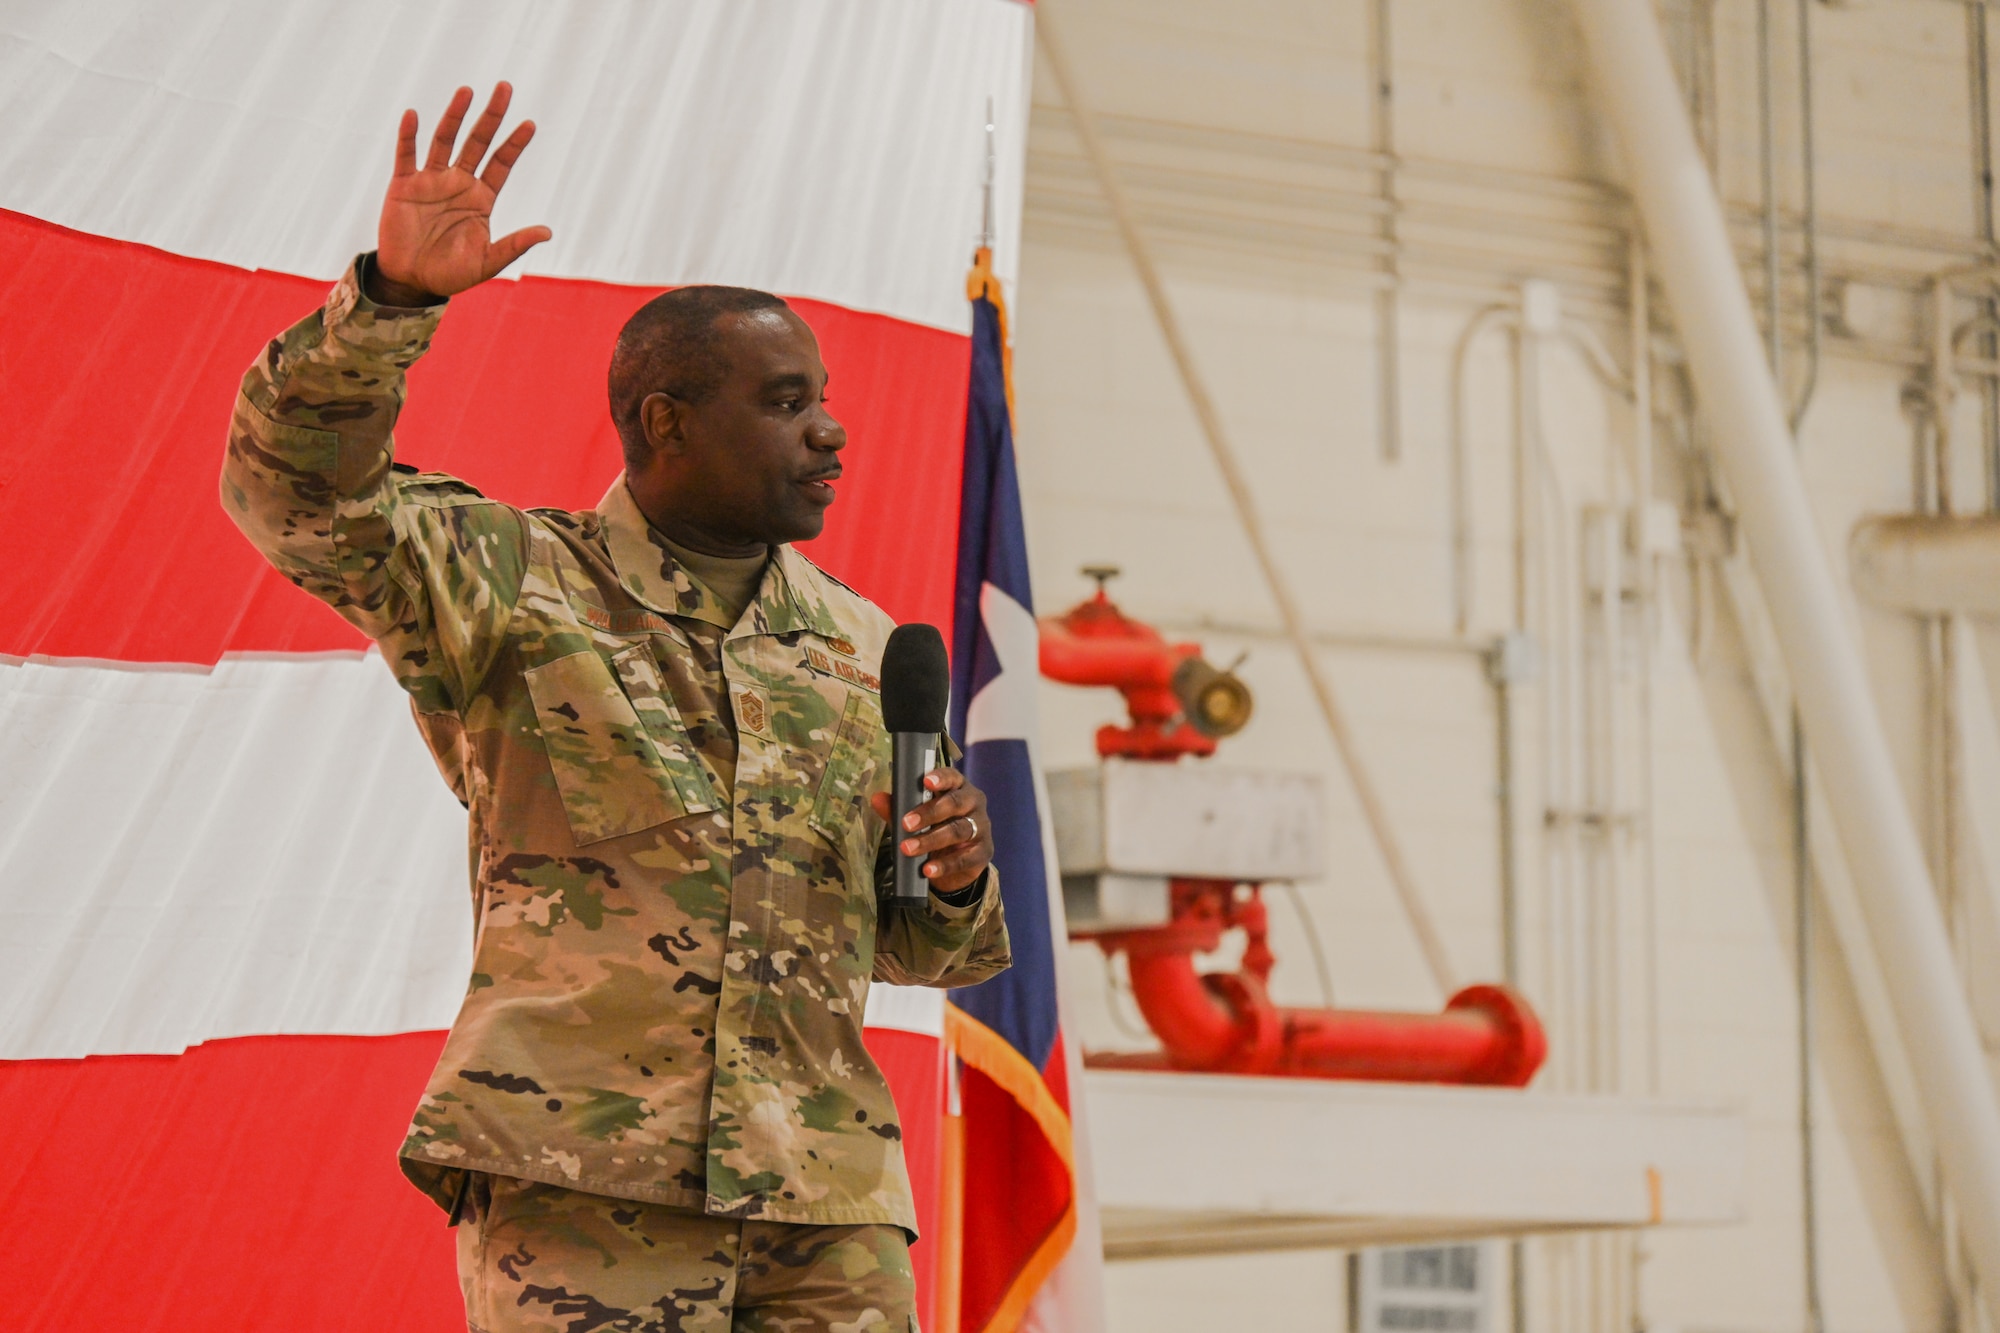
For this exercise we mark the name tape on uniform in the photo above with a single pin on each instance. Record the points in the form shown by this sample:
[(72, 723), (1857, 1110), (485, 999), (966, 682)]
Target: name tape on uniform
[(847, 671)]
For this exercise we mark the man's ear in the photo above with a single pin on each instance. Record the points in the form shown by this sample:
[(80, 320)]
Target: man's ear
[(663, 418)]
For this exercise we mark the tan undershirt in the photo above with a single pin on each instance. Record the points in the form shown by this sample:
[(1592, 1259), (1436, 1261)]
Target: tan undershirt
[(733, 579)]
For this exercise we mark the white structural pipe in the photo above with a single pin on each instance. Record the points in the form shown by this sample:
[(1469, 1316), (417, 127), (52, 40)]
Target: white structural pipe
[(1929, 564), (1690, 245)]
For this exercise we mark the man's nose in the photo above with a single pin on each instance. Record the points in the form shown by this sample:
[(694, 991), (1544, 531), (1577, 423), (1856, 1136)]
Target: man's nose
[(826, 434)]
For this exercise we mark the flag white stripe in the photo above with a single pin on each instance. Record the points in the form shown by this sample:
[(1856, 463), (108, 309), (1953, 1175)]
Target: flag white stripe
[(832, 149), (261, 848)]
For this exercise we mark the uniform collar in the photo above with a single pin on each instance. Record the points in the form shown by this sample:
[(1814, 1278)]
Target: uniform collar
[(791, 597)]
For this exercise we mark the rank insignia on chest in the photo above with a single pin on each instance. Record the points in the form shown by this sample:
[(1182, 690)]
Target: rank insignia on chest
[(753, 713)]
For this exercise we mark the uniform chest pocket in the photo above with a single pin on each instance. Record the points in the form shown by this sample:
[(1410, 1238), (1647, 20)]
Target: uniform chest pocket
[(646, 687), (608, 764), (840, 810)]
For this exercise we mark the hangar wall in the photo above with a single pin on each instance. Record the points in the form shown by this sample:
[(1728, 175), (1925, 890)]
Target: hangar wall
[(1657, 909)]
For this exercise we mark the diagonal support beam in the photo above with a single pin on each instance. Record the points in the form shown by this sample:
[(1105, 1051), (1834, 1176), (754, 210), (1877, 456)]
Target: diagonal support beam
[(1429, 943)]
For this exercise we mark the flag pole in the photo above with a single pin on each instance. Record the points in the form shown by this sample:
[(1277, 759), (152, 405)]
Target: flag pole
[(992, 169), (949, 1291), (982, 281), (950, 1287), (1029, 1261)]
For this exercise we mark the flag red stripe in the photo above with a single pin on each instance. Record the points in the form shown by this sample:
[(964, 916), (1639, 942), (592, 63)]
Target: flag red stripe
[(913, 1062), (109, 527), (223, 1187), (251, 1184)]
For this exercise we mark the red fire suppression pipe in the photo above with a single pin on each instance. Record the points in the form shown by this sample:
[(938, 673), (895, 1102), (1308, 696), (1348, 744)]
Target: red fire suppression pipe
[(1225, 1022)]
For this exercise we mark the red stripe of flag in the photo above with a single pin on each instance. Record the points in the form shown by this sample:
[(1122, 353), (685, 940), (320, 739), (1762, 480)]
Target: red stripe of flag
[(110, 530), (251, 1184)]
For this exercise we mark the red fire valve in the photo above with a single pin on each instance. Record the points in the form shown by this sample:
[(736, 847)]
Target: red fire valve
[(1178, 702)]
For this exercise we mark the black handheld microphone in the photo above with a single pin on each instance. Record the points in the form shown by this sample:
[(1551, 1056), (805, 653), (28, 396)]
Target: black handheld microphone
[(916, 691)]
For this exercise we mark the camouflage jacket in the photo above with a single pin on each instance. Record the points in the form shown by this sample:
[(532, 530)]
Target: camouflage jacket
[(673, 858)]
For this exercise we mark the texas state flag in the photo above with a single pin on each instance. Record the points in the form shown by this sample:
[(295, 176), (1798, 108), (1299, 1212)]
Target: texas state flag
[(1031, 1254)]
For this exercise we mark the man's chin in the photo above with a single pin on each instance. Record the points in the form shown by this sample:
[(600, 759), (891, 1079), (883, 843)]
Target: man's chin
[(801, 523), (800, 528)]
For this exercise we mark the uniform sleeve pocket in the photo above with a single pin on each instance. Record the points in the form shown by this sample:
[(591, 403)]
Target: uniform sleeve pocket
[(839, 809), (606, 764)]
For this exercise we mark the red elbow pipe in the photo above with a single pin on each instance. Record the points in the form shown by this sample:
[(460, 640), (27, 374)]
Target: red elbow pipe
[(1226, 1023), (1221, 1022)]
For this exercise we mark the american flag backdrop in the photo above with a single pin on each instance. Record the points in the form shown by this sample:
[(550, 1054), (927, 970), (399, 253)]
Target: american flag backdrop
[(233, 909)]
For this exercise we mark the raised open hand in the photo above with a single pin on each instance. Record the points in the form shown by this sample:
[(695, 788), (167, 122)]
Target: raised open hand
[(434, 239)]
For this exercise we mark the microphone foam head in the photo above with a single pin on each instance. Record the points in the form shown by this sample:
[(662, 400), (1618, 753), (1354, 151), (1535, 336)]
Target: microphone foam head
[(916, 679)]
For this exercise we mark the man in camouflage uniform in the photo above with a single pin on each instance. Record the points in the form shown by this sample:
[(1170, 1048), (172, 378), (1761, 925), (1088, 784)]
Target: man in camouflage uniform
[(655, 1109)]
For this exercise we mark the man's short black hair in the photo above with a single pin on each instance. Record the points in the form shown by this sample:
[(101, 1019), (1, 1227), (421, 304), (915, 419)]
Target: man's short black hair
[(671, 345)]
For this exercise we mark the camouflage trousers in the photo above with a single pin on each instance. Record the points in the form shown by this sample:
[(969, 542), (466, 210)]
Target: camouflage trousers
[(536, 1258)]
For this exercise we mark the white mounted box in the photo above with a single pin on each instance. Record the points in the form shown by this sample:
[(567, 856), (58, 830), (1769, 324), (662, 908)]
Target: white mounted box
[(1192, 818), (1116, 902)]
